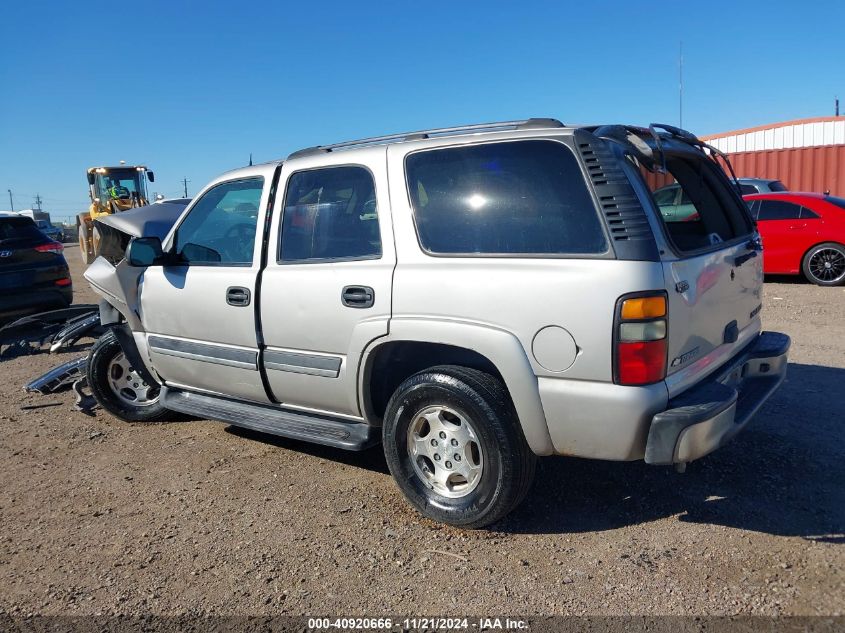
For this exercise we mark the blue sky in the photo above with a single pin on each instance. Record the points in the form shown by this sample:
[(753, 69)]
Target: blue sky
[(192, 88)]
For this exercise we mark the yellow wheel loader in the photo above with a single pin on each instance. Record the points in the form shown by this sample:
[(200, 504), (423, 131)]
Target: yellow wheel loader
[(112, 190)]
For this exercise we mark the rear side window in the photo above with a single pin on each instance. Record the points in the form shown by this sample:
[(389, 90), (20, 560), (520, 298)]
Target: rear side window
[(330, 214), (778, 210), (777, 185), (19, 229), (522, 197), (747, 189)]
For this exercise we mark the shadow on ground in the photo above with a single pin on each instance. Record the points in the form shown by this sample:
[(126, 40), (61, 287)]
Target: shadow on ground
[(784, 474)]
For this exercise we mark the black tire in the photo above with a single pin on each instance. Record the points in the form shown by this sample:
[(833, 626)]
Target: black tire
[(814, 260), (508, 462), (100, 363), (85, 245)]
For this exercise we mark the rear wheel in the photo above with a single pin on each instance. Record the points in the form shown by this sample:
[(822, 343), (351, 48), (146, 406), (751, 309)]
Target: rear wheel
[(118, 387), (824, 264), (454, 446)]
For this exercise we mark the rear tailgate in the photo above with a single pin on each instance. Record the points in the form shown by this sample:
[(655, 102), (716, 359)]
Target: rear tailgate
[(714, 311), (713, 268)]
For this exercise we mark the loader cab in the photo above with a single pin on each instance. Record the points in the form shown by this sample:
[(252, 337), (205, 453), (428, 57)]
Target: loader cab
[(119, 188)]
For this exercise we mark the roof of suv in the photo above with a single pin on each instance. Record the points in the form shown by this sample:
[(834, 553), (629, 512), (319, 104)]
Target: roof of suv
[(435, 134), (404, 137)]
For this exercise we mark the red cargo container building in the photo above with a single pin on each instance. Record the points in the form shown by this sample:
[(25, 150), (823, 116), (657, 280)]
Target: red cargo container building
[(806, 154)]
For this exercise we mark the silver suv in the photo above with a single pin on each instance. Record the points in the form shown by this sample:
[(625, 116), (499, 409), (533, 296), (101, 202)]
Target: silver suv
[(469, 297)]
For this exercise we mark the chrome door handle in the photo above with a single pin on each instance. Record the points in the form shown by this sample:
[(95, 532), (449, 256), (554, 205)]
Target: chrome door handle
[(238, 296)]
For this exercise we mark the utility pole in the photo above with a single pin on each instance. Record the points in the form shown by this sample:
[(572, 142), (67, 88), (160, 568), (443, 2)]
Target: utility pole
[(681, 84), (185, 182), (38, 201), (837, 106), (250, 159), (11, 203)]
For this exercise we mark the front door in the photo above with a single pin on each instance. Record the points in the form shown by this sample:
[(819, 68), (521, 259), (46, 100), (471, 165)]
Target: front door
[(787, 231), (199, 313), (326, 290)]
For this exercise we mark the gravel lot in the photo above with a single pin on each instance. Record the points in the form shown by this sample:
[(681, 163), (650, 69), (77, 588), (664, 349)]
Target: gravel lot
[(104, 517)]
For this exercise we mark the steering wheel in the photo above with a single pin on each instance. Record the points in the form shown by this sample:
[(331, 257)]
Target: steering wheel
[(236, 240)]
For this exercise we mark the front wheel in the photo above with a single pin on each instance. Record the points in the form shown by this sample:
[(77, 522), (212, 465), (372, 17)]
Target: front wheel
[(454, 446), (824, 264), (118, 387), (86, 246)]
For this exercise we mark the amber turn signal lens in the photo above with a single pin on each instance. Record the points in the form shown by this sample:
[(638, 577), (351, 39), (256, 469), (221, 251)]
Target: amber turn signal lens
[(644, 308)]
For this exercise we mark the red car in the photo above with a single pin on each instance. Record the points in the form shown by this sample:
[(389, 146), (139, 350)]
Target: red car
[(802, 233)]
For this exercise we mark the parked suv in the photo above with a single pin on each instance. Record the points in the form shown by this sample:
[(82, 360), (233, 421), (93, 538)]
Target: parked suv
[(34, 275), (469, 297)]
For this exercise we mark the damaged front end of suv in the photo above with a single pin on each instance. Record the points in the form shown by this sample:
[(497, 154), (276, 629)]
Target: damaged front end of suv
[(115, 281)]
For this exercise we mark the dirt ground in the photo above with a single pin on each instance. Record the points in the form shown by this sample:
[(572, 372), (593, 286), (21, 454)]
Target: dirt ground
[(103, 517)]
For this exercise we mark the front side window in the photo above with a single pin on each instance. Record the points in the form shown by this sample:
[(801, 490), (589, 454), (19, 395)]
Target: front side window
[(330, 214), (521, 197), (747, 189), (778, 210), (220, 228)]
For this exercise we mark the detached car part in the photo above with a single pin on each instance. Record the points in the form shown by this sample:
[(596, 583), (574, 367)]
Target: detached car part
[(58, 327), (60, 377)]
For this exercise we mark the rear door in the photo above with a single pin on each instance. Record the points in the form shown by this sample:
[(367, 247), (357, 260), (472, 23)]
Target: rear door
[(326, 290), (199, 313)]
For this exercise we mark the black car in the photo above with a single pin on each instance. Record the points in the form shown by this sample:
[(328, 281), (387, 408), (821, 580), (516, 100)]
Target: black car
[(34, 275)]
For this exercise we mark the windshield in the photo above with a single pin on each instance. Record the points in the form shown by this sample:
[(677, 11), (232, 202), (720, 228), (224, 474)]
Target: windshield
[(839, 202), (122, 184)]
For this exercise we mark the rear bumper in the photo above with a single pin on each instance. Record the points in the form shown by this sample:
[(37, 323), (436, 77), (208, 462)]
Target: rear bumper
[(708, 415)]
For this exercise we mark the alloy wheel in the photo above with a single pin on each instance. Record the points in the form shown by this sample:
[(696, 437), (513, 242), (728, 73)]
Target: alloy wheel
[(445, 451), (129, 387), (827, 264)]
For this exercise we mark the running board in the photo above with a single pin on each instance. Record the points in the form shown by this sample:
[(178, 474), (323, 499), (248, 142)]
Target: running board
[(330, 431)]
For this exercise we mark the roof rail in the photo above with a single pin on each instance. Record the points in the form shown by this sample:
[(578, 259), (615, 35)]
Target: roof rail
[(524, 124)]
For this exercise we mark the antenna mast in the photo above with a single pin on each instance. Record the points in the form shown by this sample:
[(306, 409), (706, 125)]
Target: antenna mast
[(681, 84)]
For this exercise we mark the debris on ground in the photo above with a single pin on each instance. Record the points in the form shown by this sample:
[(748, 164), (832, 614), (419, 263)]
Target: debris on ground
[(60, 377), (85, 402), (59, 328)]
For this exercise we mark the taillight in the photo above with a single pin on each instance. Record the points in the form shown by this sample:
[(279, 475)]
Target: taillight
[(50, 247), (639, 338), (63, 282)]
